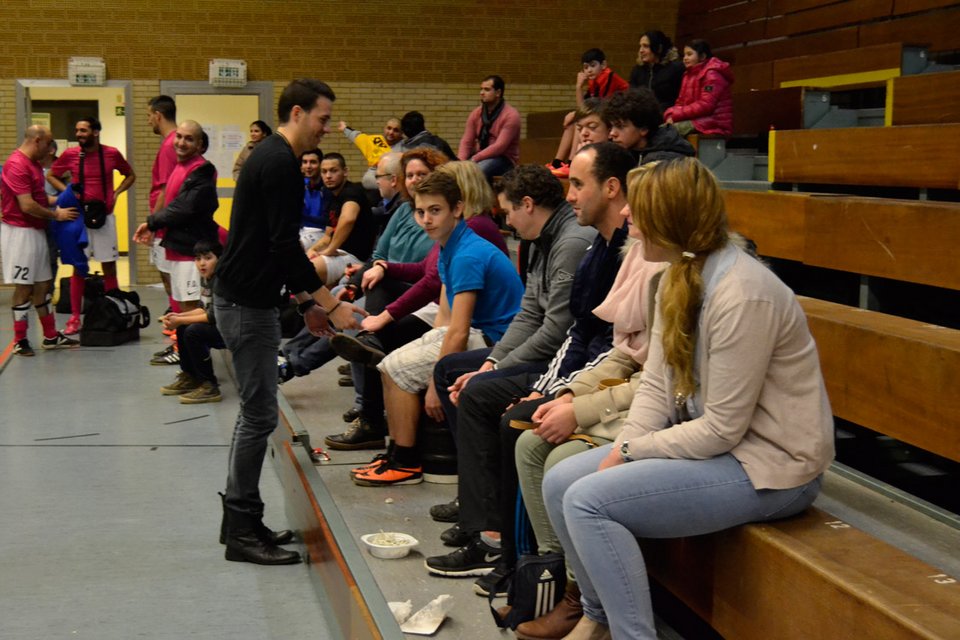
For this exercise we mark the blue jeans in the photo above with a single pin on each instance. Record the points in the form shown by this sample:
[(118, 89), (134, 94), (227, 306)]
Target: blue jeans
[(253, 337), (306, 352), (493, 167), (599, 515)]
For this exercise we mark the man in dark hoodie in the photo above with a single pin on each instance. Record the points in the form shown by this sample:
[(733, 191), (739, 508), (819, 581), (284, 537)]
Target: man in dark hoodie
[(415, 129), (635, 124)]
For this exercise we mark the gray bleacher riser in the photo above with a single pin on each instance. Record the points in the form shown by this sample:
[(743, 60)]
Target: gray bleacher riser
[(761, 164), (870, 117), (816, 105), (914, 60), (732, 165), (746, 185)]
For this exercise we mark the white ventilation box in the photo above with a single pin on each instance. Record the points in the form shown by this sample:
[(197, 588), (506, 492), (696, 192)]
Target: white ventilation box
[(86, 72), (228, 73)]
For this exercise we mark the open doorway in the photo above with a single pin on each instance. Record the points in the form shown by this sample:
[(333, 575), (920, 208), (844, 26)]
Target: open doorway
[(58, 105)]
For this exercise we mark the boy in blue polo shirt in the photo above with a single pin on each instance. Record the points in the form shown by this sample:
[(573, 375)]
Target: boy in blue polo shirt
[(481, 293)]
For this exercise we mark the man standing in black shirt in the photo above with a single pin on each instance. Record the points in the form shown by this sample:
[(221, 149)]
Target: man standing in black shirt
[(263, 254)]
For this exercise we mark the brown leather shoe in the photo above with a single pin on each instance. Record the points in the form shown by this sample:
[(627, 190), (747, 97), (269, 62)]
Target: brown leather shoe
[(559, 622)]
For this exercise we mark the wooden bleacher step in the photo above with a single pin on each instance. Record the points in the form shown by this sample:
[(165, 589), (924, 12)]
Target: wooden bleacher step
[(921, 156), (928, 98), (812, 576), (880, 237)]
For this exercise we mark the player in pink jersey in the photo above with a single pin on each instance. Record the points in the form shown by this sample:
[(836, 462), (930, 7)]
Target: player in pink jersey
[(99, 163), (23, 242), (162, 117)]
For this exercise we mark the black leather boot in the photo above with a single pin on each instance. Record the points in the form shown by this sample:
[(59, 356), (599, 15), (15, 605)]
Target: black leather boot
[(284, 536), (245, 545)]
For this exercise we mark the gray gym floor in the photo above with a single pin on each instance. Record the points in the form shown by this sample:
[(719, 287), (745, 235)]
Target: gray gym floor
[(108, 496)]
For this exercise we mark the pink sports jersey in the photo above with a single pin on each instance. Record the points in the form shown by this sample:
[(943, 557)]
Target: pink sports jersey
[(113, 160), (21, 175), (164, 163)]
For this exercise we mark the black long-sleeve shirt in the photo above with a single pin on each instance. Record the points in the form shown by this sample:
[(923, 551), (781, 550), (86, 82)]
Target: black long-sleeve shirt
[(263, 251)]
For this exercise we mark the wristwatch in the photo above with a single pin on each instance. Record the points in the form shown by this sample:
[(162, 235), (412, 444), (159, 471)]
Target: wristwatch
[(625, 451)]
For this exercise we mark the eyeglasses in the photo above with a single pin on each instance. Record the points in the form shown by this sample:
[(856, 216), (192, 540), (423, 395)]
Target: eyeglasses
[(382, 175)]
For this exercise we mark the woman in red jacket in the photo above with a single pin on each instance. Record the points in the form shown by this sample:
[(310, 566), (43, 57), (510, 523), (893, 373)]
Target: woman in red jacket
[(705, 104)]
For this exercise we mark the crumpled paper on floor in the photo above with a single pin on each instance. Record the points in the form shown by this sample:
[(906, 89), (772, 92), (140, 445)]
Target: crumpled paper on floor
[(427, 620), (401, 610)]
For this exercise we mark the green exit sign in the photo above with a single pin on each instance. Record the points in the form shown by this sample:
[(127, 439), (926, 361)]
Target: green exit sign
[(119, 110)]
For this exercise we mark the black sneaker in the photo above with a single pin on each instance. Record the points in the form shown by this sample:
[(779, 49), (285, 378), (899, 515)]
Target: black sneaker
[(472, 559), (22, 348), (359, 435), (351, 414), (59, 341), (497, 580), (455, 536), (345, 381), (165, 351), (446, 512), (364, 349), (344, 370)]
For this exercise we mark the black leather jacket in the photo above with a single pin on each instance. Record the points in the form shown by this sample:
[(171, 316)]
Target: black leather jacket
[(189, 217)]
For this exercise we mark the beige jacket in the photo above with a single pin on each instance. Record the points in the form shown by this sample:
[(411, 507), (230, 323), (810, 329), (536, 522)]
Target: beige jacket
[(601, 413), (762, 392), (242, 157)]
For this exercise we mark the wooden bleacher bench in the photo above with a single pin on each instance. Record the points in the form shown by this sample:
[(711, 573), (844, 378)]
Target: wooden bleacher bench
[(927, 98), (775, 220), (895, 376), (808, 577), (857, 66), (798, 45), (751, 77), (936, 22), (921, 156), (543, 136), (871, 236), (538, 150), (546, 124), (903, 240), (756, 112)]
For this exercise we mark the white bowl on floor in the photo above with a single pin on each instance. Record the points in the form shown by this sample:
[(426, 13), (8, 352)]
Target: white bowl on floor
[(389, 545)]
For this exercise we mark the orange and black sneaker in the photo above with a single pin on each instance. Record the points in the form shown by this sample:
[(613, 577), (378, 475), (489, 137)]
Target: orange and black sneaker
[(389, 474), (379, 459)]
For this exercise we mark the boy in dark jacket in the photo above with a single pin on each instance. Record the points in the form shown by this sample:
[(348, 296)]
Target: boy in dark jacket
[(197, 334)]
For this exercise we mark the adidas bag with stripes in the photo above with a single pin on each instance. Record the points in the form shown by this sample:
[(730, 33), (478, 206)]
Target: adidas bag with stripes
[(536, 586)]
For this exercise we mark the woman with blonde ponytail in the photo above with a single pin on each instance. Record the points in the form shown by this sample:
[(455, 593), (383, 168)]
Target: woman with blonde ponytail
[(731, 423)]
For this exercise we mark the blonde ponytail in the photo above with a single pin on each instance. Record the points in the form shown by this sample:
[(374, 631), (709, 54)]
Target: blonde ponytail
[(677, 205)]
